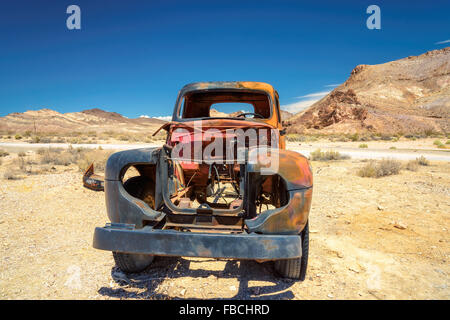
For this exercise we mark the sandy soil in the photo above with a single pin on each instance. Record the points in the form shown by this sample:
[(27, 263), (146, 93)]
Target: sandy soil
[(358, 250)]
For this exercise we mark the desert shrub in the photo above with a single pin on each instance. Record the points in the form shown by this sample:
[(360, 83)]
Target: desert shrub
[(437, 142), (319, 155), (36, 139), (27, 134), (385, 167), (45, 140), (17, 137), (22, 154), (19, 163), (368, 170), (422, 161), (363, 145), (3, 153), (393, 148), (412, 165), (123, 138), (59, 140), (354, 137), (294, 137), (98, 157), (430, 132), (49, 156), (447, 142), (41, 151), (11, 175), (74, 140)]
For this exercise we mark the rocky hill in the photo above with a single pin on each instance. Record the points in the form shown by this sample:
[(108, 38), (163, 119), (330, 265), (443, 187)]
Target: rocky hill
[(410, 95), (46, 120)]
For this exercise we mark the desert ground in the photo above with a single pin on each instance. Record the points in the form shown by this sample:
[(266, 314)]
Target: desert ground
[(371, 238)]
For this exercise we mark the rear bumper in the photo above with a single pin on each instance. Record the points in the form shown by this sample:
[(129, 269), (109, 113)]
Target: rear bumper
[(124, 238)]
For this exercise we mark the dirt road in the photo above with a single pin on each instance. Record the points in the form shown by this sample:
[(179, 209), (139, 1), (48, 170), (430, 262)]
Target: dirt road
[(385, 238), (410, 152)]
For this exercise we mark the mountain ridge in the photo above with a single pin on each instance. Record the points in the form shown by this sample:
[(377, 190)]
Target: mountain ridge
[(409, 95)]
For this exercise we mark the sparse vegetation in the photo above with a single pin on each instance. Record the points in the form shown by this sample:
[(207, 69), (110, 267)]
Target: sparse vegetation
[(10, 175), (412, 165), (385, 167), (354, 137), (319, 155), (393, 148), (3, 153), (422, 161), (47, 158), (18, 137), (363, 145)]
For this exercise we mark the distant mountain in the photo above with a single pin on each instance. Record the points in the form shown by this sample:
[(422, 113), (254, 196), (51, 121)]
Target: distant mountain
[(409, 95), (46, 120)]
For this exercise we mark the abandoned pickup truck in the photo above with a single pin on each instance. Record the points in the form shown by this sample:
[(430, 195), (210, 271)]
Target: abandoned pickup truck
[(222, 185)]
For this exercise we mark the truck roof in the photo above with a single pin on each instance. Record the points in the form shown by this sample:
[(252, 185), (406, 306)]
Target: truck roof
[(245, 85)]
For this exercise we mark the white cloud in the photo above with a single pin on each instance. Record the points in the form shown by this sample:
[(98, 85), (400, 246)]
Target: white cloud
[(299, 106), (315, 95), (442, 42), (304, 103), (165, 118), (332, 85)]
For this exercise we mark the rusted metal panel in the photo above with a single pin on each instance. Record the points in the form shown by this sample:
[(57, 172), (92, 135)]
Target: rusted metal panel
[(290, 219), (293, 167), (93, 181), (193, 244)]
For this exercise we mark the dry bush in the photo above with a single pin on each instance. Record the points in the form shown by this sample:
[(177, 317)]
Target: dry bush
[(79, 156), (49, 156), (385, 167), (412, 165), (369, 170), (422, 161), (439, 144), (41, 151), (3, 153), (318, 155), (363, 145), (11, 175), (124, 138), (98, 157)]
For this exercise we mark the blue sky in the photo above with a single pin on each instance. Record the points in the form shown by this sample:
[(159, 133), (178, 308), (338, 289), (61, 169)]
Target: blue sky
[(133, 56)]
